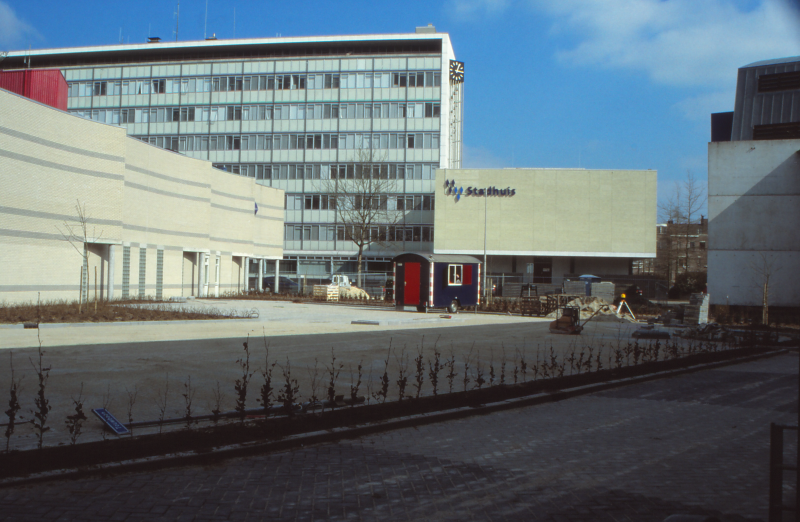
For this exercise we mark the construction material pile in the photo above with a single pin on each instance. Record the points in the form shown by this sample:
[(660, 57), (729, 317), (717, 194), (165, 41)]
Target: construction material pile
[(710, 332), (589, 306), (352, 292)]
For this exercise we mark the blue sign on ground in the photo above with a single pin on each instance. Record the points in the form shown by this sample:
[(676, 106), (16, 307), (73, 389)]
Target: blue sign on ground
[(110, 421)]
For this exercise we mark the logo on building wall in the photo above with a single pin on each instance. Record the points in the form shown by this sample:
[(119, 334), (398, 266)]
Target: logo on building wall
[(450, 189)]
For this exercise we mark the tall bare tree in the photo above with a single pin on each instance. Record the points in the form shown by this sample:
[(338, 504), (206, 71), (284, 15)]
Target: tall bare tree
[(362, 202), (682, 208)]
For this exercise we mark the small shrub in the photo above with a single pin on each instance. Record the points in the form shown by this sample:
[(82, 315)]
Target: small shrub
[(491, 367), (240, 385), (419, 371), (354, 387), (503, 368), (13, 402), (479, 380), (265, 395), (161, 402), (315, 382), (451, 370), (333, 373), (74, 422), (433, 371), (131, 401), (188, 399), (402, 371), (216, 409), (384, 380), (42, 404), (467, 362), (289, 392)]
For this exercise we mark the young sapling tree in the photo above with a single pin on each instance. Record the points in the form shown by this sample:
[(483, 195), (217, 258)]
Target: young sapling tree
[(74, 422), (131, 402), (13, 402), (188, 399), (42, 404), (240, 385), (162, 402)]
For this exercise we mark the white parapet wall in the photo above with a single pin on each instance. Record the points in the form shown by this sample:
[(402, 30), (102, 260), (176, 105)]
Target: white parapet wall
[(754, 222), (158, 224)]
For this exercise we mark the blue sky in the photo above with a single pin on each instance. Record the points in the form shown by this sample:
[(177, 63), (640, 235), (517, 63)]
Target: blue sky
[(625, 84)]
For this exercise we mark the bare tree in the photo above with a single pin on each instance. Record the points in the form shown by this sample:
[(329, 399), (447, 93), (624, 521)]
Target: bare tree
[(77, 234), (681, 209), (362, 203), (764, 267)]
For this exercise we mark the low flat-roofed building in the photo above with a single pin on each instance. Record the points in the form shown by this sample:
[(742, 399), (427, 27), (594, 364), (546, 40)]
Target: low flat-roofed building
[(546, 223), (157, 224)]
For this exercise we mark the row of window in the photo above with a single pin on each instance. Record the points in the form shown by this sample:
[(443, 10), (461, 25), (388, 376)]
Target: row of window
[(256, 83), (348, 171), (315, 111), (400, 202), (357, 141), (387, 233)]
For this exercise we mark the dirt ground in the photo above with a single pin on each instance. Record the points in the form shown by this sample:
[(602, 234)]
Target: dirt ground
[(156, 360)]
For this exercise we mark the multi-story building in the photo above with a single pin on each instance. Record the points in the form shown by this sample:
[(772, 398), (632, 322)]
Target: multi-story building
[(754, 190), (680, 248), (298, 114)]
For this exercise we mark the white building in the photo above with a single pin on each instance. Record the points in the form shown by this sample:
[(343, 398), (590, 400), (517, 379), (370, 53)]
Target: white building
[(291, 113), (157, 224), (754, 189)]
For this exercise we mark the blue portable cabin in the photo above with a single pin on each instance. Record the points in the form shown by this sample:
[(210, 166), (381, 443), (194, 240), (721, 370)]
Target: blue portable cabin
[(436, 281)]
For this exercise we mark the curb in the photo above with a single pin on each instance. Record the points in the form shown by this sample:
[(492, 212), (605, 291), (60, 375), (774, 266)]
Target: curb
[(332, 435)]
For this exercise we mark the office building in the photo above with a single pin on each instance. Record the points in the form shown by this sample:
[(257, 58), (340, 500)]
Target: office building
[(298, 114)]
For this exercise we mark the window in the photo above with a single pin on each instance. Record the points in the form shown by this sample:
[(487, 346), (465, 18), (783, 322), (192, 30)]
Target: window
[(454, 273)]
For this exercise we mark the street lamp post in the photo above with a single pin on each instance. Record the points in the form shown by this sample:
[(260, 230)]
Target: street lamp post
[(485, 266)]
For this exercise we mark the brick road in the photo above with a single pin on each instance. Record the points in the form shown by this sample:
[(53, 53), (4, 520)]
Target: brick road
[(696, 443)]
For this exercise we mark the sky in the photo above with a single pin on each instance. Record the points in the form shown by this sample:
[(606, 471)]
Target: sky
[(599, 84)]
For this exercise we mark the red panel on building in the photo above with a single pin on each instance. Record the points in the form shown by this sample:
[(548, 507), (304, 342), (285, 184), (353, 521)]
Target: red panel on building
[(47, 86)]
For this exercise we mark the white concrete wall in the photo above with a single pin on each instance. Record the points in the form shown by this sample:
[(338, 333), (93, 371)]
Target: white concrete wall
[(754, 220), (135, 195)]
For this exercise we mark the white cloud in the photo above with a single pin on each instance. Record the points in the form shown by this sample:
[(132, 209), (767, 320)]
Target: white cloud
[(13, 31), (692, 43), (470, 9)]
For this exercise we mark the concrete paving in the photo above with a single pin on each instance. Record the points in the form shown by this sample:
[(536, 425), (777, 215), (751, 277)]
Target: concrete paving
[(697, 443), (154, 359), (276, 317)]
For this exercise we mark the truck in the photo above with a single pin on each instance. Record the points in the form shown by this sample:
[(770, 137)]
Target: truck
[(340, 280)]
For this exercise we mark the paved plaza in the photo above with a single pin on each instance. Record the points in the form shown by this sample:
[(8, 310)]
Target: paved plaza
[(695, 443), (111, 359)]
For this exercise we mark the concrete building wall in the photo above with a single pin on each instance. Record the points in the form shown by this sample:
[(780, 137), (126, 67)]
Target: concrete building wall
[(754, 211), (49, 163), (553, 212), (154, 218)]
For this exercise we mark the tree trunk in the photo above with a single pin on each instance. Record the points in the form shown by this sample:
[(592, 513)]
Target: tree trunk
[(360, 256), (765, 306)]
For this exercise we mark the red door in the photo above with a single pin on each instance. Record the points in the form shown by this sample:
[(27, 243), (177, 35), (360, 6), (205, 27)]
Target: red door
[(411, 284)]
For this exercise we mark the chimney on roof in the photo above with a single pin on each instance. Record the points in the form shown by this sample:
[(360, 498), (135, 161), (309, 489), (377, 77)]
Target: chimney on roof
[(153, 39), (429, 29)]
